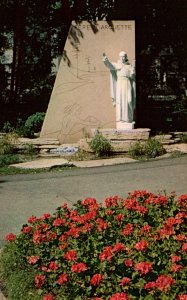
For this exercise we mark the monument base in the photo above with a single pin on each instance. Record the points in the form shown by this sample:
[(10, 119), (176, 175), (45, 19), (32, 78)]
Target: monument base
[(121, 139), (124, 125)]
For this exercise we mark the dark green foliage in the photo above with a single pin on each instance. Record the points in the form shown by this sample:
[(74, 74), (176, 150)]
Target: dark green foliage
[(12, 271), (100, 145), (149, 149), (33, 124), (8, 159)]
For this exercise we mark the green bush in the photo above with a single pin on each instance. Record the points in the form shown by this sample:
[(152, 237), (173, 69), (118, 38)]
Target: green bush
[(30, 150), (7, 127), (100, 145), (13, 272), (7, 143), (32, 124), (8, 159), (136, 150), (149, 149)]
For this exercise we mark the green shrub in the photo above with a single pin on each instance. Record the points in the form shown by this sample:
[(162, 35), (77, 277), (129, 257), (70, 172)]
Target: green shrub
[(13, 272), (7, 127), (136, 149), (33, 124), (149, 149), (7, 143), (30, 150), (100, 145), (8, 159), (153, 148)]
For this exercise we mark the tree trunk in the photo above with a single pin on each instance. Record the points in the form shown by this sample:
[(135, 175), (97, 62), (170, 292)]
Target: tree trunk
[(18, 50)]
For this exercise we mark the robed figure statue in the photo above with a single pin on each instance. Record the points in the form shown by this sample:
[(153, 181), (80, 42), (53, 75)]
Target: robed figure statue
[(123, 91)]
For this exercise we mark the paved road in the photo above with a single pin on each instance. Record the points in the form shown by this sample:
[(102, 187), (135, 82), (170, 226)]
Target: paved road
[(24, 195)]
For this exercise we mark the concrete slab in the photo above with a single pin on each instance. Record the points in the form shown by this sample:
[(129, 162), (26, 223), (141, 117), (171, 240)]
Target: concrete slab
[(43, 163), (102, 162)]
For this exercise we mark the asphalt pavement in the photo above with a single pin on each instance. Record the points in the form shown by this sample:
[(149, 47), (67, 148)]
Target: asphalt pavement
[(34, 194)]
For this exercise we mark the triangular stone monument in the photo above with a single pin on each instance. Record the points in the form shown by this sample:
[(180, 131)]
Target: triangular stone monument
[(81, 97)]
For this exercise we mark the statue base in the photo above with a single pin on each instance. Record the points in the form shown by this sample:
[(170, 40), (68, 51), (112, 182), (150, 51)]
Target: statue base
[(124, 125), (121, 139)]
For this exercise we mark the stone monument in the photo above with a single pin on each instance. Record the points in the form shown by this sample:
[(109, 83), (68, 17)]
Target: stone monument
[(81, 100)]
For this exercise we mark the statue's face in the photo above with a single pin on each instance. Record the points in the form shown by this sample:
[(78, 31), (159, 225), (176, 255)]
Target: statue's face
[(123, 58)]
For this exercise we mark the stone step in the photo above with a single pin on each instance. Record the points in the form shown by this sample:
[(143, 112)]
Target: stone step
[(116, 134), (117, 146), (38, 141)]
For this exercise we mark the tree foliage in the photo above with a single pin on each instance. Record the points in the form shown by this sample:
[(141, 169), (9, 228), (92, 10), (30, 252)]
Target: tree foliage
[(37, 31)]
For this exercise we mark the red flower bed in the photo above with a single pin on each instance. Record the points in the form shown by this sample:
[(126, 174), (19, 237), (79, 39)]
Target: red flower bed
[(133, 248)]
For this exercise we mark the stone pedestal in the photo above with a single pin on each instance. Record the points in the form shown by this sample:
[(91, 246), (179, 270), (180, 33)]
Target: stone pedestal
[(121, 139), (124, 125), (123, 134)]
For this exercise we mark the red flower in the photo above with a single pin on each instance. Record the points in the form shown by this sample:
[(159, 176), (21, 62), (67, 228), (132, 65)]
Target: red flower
[(45, 269), (141, 209), (58, 222), (101, 225), (131, 204), (143, 267), (53, 266), (45, 216), (51, 235), (62, 238), (128, 263), (78, 268), (96, 279), (175, 258), (73, 231), (32, 259), (119, 217), (10, 237), (182, 297), (119, 296), (71, 255), (182, 200), (39, 280), (38, 237), (111, 201), (141, 246), (180, 237), (63, 246), (89, 201), (164, 282), (109, 212), (27, 229), (48, 297), (86, 228), (184, 247), (125, 281), (32, 219), (176, 268), (145, 229), (162, 200), (166, 231), (150, 285), (173, 221), (106, 254), (63, 278), (128, 229), (119, 247)]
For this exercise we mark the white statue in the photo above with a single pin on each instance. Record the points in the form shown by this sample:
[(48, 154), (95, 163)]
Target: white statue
[(122, 88)]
